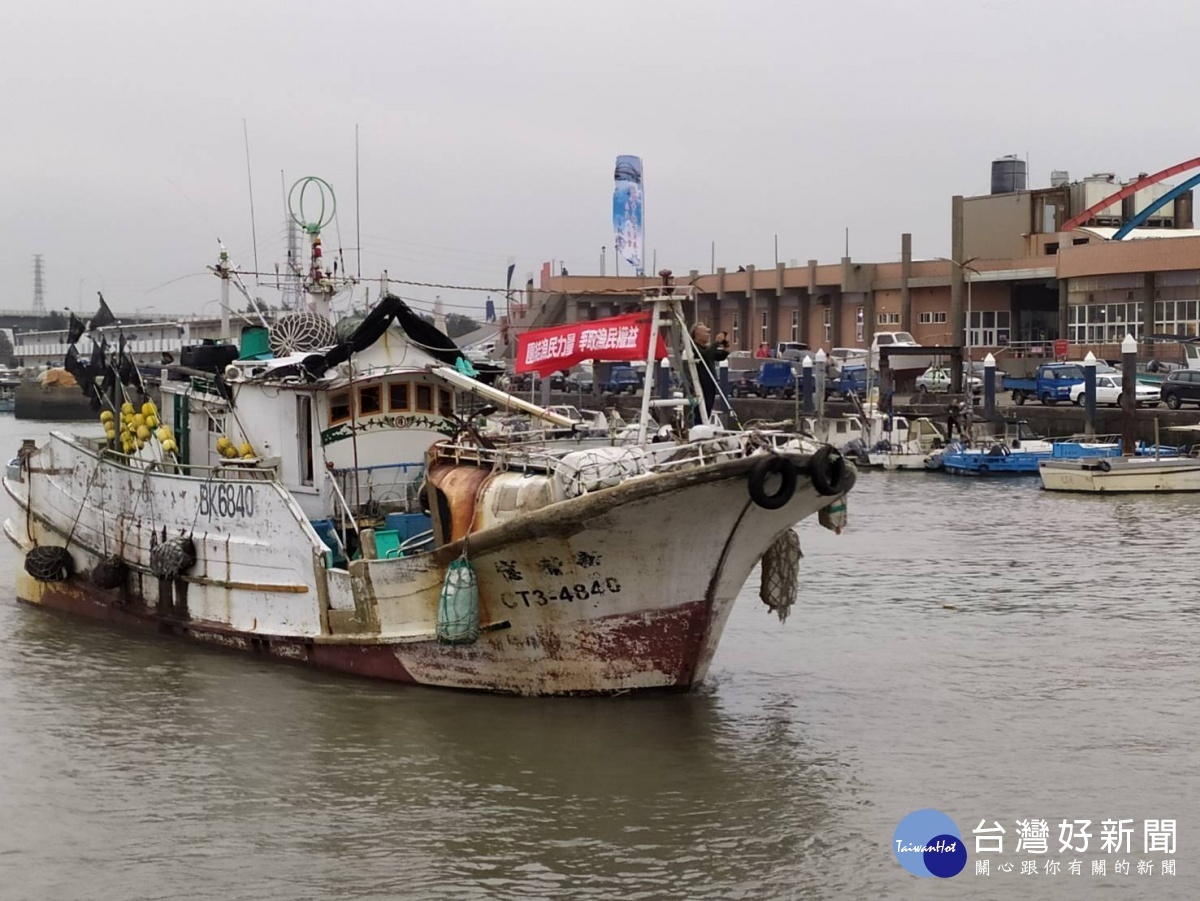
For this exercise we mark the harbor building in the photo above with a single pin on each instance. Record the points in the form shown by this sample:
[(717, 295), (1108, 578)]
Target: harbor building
[(1026, 267)]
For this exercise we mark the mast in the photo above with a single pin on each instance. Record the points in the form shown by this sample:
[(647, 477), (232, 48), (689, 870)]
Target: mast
[(222, 270)]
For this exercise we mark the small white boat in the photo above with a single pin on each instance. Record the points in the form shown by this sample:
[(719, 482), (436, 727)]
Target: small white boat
[(1144, 474), (1121, 474), (902, 442)]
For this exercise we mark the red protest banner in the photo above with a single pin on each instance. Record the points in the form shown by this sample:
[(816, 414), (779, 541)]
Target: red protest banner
[(548, 350)]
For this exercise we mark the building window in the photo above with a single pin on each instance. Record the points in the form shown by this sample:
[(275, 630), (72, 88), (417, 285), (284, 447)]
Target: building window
[(1108, 323), (339, 407), (733, 331), (1051, 248), (424, 398), (858, 325), (889, 319), (795, 325), (369, 402), (764, 338), (1177, 317), (398, 397), (445, 402), (828, 326), (988, 328), (928, 318)]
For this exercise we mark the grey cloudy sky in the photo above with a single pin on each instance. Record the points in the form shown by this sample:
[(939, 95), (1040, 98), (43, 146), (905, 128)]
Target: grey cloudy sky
[(488, 130)]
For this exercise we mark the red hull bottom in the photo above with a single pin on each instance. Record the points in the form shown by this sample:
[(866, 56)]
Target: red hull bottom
[(675, 644)]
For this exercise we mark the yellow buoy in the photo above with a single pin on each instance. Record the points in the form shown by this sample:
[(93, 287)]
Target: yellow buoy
[(152, 421), (139, 420), (106, 416), (169, 446), (143, 434), (223, 443), (246, 449), (148, 409), (127, 408)]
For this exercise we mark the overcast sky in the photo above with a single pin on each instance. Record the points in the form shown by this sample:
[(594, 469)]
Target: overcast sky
[(489, 130)]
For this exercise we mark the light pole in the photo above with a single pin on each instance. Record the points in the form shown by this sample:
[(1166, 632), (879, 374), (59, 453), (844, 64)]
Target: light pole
[(965, 267)]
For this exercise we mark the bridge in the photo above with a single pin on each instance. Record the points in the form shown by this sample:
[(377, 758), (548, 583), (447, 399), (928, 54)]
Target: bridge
[(29, 321)]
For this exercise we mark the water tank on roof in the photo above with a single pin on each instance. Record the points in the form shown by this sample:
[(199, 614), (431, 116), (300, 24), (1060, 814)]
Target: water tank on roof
[(1059, 178), (1008, 175)]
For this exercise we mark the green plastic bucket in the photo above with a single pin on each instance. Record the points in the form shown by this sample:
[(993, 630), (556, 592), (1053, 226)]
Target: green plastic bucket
[(256, 344)]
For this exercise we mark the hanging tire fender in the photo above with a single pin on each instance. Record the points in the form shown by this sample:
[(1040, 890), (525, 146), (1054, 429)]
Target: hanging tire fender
[(827, 469), (772, 465), (1104, 466)]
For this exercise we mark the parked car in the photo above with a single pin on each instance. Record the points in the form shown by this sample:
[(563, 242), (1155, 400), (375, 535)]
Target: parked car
[(936, 380), (791, 350), (1109, 390), (1050, 383), (1181, 387)]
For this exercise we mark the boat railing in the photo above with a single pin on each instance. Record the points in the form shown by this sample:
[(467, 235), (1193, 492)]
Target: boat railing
[(344, 509), (256, 469), (656, 457), (392, 487)]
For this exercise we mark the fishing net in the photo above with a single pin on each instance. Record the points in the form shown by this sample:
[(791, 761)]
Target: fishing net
[(300, 333), (781, 574), (49, 564), (458, 605), (110, 572), (173, 557), (592, 470)]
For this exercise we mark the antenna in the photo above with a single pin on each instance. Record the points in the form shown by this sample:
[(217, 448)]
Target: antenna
[(39, 286), (250, 184), (357, 221)]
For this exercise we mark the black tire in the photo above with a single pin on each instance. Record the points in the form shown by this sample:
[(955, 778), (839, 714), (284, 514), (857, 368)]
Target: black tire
[(1104, 466), (1079, 398), (1173, 402), (769, 465), (827, 469), (1121, 400), (1047, 400), (1019, 398)]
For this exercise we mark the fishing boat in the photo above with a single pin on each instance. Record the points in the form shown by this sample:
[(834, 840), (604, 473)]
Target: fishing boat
[(332, 502), (900, 442)]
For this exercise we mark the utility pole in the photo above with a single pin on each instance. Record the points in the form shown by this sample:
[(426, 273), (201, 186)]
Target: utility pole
[(39, 286)]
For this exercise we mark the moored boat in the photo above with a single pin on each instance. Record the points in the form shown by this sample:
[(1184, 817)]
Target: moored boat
[(335, 504)]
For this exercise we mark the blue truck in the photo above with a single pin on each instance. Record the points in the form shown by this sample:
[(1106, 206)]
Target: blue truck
[(1050, 383), (774, 378), (852, 380), (623, 378)]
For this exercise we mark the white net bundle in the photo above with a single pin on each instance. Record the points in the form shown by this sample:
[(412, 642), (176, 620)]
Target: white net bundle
[(591, 470)]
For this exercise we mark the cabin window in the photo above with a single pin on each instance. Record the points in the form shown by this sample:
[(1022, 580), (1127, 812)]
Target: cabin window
[(424, 398), (339, 407), (369, 402), (445, 402), (304, 434), (398, 397)]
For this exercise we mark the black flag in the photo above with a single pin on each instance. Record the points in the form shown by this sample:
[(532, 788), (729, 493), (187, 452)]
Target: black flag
[(73, 364), (98, 362), (75, 329), (104, 316)]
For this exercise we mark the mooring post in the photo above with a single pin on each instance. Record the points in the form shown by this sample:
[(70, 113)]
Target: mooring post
[(819, 363), (989, 386), (664, 378), (1089, 395), (1128, 394), (808, 386)]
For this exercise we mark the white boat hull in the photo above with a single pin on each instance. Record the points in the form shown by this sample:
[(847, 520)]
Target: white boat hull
[(626, 588), (1123, 474)]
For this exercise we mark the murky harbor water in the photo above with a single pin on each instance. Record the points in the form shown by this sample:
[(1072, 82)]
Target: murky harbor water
[(980, 647)]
